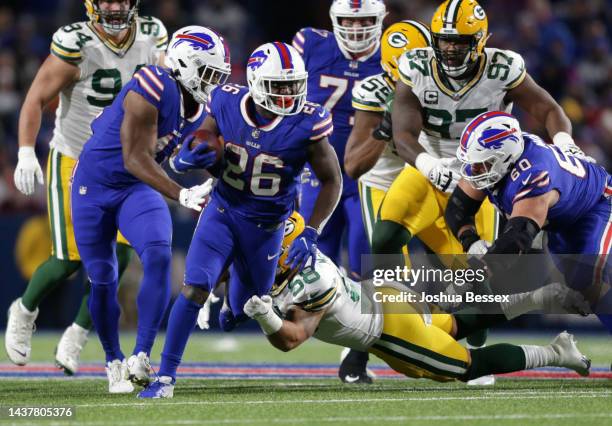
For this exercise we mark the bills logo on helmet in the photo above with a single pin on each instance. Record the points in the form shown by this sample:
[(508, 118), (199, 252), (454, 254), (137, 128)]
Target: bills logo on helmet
[(198, 41), (257, 59), (493, 138)]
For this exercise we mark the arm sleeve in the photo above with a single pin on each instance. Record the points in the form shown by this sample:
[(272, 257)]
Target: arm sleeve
[(149, 84), (314, 290), (323, 125), (517, 72), (65, 45)]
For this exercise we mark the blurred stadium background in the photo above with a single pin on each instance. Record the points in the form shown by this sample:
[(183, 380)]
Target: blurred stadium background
[(566, 44)]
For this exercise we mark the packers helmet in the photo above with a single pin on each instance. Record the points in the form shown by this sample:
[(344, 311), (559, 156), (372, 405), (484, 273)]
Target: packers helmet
[(398, 38), (113, 22), (464, 23), (294, 226)]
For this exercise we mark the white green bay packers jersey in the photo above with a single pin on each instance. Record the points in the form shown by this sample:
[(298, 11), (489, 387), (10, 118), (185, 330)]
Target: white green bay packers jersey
[(372, 94), (447, 110), (349, 319), (104, 69)]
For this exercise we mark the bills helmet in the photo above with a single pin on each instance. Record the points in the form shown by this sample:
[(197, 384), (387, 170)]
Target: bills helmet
[(199, 59), (357, 39), (490, 145)]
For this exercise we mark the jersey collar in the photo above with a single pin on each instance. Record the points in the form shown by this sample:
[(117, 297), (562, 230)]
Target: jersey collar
[(458, 94), (245, 114), (118, 49)]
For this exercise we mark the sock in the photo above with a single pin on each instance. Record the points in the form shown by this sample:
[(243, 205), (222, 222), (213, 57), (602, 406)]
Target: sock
[(389, 237), (470, 323), (183, 317), (83, 318), (355, 362), (539, 356), (477, 339), (496, 359), (46, 278), (153, 296), (105, 311)]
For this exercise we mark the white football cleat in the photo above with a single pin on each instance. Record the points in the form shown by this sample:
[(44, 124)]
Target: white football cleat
[(19, 329), (569, 355), (68, 351), (139, 369), (482, 381), (118, 381)]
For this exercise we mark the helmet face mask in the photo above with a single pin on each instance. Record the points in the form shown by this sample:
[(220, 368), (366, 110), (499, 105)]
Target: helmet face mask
[(490, 145), (357, 24), (277, 78), (113, 21), (459, 30), (199, 59)]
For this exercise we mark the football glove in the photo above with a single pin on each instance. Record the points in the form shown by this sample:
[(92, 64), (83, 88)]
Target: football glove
[(384, 130), (204, 312), (438, 171), (566, 144), (479, 248), (196, 158), (303, 248), (260, 309), (27, 170), (194, 197)]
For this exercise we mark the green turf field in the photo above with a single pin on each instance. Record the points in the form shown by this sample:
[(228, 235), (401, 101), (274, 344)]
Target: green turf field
[(313, 401)]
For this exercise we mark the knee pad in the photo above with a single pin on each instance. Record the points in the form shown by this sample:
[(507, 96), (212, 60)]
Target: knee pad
[(389, 237), (156, 258), (195, 294), (102, 272)]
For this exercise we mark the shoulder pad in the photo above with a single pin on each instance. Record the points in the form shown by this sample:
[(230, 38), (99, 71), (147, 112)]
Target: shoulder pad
[(153, 27), (305, 38), (68, 41), (371, 93), (314, 290), (415, 63), (319, 121), (506, 66)]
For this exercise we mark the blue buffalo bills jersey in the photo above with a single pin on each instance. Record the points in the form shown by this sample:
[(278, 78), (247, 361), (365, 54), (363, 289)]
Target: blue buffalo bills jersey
[(103, 150), (262, 163), (543, 168), (332, 74)]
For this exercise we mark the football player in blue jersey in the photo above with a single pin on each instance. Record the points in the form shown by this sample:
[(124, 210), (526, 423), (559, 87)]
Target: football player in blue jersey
[(118, 184), (537, 186), (335, 62), (270, 131)]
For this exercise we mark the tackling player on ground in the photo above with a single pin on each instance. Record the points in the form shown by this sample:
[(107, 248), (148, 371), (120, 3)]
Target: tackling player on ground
[(89, 63), (326, 304), (119, 183)]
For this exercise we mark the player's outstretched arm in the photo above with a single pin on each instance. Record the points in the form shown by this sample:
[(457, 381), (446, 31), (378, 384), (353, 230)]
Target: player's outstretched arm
[(324, 162), (460, 213), (362, 148), (138, 138), (284, 334), (53, 76), (407, 118)]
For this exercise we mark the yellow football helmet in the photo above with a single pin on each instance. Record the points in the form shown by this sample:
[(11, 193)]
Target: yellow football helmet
[(398, 38), (113, 22), (294, 226), (464, 24)]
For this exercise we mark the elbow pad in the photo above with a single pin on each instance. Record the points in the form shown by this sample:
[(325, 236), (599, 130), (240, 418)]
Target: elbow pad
[(517, 237), (460, 210)]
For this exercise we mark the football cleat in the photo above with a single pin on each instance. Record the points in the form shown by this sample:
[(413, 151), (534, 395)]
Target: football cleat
[(569, 355), (482, 381), (163, 387), (353, 368), (139, 369), (118, 377), (19, 329), (69, 349)]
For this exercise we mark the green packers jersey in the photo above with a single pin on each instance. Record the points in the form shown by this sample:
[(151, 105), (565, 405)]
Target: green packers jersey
[(104, 69), (448, 109), (349, 319), (372, 94)]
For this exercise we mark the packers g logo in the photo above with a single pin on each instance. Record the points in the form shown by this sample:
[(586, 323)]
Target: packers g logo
[(397, 40), (289, 227), (479, 13)]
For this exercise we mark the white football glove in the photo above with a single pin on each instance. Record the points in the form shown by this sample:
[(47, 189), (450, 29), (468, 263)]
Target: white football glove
[(27, 170), (566, 144), (194, 197), (260, 309), (438, 171), (558, 298), (479, 248)]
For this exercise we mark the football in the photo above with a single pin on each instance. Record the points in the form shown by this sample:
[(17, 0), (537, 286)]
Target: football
[(214, 143)]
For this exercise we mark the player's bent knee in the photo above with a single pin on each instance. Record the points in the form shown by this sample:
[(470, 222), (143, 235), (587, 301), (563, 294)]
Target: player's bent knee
[(102, 272), (389, 237), (195, 294), (156, 258)]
